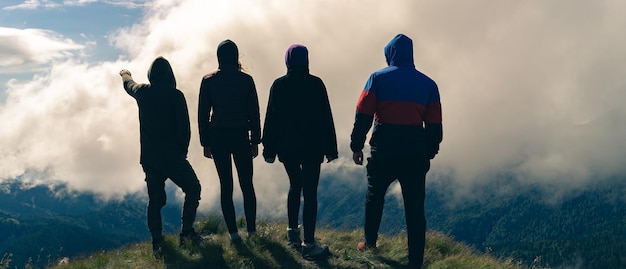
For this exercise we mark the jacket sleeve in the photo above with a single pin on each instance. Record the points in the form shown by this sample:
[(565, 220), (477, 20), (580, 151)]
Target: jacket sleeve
[(204, 109), (254, 116), (365, 109), (269, 126), (432, 122), (183, 129), (330, 137), (130, 86)]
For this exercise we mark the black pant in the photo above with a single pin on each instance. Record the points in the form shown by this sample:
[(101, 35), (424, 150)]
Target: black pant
[(183, 176), (410, 171), (228, 145), (303, 179)]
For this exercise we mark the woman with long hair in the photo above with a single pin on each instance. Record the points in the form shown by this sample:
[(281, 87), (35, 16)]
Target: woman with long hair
[(229, 124)]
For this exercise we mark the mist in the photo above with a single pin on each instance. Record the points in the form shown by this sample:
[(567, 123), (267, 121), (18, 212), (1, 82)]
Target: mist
[(529, 89)]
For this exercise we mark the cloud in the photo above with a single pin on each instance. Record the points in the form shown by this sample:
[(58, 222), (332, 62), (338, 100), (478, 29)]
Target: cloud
[(122, 3), (35, 4), (530, 89), (24, 49)]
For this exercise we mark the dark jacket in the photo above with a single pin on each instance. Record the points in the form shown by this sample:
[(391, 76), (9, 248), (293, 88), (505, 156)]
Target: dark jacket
[(163, 115), (404, 105), (228, 98), (299, 123)]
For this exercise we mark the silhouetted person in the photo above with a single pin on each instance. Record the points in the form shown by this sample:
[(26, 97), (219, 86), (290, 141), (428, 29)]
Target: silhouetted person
[(299, 129), (229, 123), (164, 136), (405, 107)]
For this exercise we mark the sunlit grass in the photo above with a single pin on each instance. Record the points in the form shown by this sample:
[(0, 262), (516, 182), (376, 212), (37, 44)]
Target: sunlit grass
[(269, 250)]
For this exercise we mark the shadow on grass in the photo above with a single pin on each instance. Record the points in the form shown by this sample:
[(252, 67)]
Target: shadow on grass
[(324, 264), (392, 263), (209, 255), (280, 253)]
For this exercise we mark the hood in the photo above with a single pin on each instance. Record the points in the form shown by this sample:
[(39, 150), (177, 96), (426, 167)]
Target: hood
[(160, 73), (227, 54), (399, 51), (297, 57)]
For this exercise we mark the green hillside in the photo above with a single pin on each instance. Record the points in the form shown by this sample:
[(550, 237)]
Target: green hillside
[(269, 250)]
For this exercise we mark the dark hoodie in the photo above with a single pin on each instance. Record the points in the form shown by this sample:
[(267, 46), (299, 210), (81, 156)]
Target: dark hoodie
[(299, 123), (163, 115), (404, 105), (228, 98)]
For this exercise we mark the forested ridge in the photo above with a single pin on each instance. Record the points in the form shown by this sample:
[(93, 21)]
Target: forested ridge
[(584, 228)]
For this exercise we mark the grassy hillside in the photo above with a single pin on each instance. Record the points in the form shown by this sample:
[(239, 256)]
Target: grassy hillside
[(269, 250)]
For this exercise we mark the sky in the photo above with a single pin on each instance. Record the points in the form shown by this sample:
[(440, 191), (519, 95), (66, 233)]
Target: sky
[(530, 89)]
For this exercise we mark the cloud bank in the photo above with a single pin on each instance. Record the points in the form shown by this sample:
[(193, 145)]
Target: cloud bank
[(530, 89), (30, 49)]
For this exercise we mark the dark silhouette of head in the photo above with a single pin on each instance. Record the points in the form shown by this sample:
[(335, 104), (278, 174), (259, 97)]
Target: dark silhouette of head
[(297, 57), (399, 51), (161, 74), (228, 55)]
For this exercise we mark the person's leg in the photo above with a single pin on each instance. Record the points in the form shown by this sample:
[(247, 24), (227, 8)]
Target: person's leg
[(379, 178), (157, 198), (310, 180), (294, 172), (412, 181), (243, 163), (224, 169), (184, 177)]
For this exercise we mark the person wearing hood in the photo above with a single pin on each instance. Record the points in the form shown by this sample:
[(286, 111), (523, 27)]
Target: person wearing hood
[(405, 107), (164, 135), (229, 124), (299, 129)]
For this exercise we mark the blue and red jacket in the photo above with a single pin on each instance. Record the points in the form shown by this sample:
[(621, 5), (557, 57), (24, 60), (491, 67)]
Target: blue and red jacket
[(404, 105)]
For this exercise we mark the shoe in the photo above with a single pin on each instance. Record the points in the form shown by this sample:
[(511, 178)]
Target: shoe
[(252, 234), (362, 246), (157, 248), (293, 237), (314, 251), (191, 237), (235, 237)]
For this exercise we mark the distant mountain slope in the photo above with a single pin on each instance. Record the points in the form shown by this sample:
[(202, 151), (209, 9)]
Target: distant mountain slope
[(583, 229), (43, 223)]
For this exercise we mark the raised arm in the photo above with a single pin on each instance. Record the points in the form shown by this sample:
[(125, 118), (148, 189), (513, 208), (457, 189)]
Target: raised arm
[(130, 86)]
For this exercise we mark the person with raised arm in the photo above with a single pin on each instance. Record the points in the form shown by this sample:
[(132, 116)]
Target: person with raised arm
[(164, 135)]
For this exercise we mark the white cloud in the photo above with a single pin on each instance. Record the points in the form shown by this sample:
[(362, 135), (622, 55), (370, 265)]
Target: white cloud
[(22, 49), (33, 4), (531, 89), (122, 3)]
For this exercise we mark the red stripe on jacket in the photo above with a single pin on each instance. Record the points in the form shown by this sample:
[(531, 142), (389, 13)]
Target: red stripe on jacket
[(367, 103), (398, 112)]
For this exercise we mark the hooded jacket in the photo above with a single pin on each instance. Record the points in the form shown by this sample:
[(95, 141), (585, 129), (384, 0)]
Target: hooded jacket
[(228, 98), (299, 123), (163, 115), (404, 105)]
